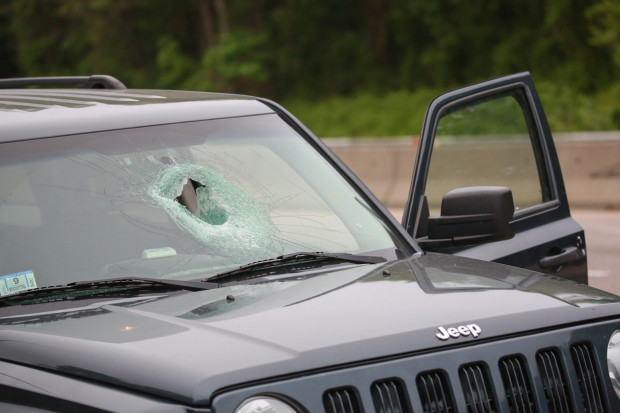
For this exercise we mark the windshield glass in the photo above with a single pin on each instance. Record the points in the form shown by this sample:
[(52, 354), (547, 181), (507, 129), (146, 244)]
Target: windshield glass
[(180, 201)]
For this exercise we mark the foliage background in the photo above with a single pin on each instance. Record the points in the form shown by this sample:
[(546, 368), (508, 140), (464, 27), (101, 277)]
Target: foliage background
[(345, 67)]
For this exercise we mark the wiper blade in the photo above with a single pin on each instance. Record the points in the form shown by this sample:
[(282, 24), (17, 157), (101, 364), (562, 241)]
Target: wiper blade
[(293, 258), (95, 285)]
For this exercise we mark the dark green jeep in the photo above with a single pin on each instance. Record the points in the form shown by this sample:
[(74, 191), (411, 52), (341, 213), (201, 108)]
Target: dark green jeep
[(168, 251)]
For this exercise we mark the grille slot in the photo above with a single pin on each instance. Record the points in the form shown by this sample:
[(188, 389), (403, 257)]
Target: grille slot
[(553, 381), (434, 392), (589, 383), (388, 396), (477, 388), (517, 385), (342, 400)]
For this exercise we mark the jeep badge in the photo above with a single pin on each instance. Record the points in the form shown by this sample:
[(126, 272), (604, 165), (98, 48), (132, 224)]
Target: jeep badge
[(455, 332)]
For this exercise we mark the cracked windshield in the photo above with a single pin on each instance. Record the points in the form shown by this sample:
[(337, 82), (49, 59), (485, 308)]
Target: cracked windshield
[(180, 201)]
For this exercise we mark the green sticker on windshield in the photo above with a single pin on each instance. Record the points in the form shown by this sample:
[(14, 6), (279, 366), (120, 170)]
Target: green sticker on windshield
[(14, 283)]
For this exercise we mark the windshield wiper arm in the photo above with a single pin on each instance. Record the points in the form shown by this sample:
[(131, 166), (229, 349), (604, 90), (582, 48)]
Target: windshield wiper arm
[(113, 283), (296, 257)]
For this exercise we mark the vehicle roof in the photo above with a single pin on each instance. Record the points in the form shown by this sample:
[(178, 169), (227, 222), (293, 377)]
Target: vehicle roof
[(37, 113)]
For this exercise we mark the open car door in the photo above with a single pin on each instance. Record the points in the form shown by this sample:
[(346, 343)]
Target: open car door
[(486, 138)]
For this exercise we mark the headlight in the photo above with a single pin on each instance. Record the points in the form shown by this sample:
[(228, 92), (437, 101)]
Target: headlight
[(613, 361), (265, 404)]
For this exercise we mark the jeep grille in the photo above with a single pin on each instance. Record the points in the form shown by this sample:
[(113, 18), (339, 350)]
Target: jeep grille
[(436, 389), (561, 371)]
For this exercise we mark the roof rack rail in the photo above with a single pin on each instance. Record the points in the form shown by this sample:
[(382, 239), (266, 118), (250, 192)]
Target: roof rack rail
[(82, 82)]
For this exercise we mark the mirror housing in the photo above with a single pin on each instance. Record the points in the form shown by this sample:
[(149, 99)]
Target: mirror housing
[(470, 216)]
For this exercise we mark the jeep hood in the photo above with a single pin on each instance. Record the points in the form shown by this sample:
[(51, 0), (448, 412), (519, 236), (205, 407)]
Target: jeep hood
[(187, 346)]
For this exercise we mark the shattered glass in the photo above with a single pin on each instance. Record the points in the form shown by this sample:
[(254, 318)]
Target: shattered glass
[(227, 218), (180, 201)]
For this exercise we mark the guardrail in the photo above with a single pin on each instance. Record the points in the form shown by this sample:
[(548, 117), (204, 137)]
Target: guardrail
[(590, 166)]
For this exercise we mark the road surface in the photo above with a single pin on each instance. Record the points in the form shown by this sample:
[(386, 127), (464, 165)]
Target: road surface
[(603, 242)]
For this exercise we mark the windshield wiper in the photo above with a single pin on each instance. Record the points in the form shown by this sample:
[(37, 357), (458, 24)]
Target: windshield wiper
[(295, 258), (111, 283)]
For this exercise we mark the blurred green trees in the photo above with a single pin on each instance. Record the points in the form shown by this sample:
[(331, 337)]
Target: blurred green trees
[(304, 50)]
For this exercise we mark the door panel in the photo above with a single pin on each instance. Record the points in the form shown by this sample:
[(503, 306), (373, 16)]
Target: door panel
[(496, 134)]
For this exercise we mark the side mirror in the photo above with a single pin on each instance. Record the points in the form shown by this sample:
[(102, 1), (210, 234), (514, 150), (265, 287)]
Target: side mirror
[(472, 215)]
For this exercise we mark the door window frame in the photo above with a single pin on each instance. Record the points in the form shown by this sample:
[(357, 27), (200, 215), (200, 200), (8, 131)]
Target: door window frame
[(540, 136)]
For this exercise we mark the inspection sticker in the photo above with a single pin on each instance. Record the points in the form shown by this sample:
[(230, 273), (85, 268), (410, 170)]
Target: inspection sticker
[(14, 283)]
